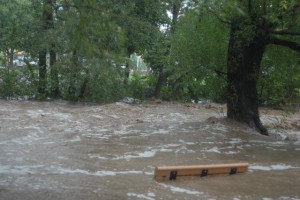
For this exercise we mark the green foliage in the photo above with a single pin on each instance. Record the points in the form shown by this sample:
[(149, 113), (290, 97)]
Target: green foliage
[(198, 50), (92, 39), (16, 83), (9, 86), (104, 85), (16, 22), (280, 79), (141, 86), (137, 85)]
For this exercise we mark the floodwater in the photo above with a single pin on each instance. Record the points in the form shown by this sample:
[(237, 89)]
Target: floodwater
[(63, 151)]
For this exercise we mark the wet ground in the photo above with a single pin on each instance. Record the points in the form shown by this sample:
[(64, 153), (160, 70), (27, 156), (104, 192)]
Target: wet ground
[(58, 150)]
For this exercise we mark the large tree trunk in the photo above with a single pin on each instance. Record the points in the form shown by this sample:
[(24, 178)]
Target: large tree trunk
[(243, 68)]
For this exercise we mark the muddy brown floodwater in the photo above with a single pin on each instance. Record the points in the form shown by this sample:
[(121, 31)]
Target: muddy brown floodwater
[(63, 151)]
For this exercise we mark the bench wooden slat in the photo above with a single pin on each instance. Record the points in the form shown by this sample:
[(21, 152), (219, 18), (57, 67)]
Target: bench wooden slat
[(164, 172)]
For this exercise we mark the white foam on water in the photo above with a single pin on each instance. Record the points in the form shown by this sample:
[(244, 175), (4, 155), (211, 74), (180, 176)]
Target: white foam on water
[(220, 127), (120, 132), (28, 139), (277, 143), (146, 154), (61, 116), (297, 142), (149, 173), (114, 116), (48, 142), (271, 167), (187, 143), (213, 150), (289, 198), (235, 141), (41, 169), (140, 196), (62, 157), (151, 194), (103, 130), (12, 118), (98, 116), (75, 139), (97, 156), (95, 135), (274, 149), (175, 117), (172, 145), (39, 113), (19, 170), (181, 190), (160, 131), (183, 149), (231, 152), (104, 173), (36, 113), (165, 148), (97, 190), (90, 173)]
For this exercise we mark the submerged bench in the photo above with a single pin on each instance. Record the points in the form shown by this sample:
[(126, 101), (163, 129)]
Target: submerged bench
[(172, 172)]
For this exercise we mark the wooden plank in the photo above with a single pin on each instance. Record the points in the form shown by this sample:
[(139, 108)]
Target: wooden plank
[(164, 173)]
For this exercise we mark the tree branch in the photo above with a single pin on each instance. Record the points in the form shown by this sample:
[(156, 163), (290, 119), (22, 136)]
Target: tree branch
[(286, 43), (285, 33), (221, 74), (216, 15), (219, 18)]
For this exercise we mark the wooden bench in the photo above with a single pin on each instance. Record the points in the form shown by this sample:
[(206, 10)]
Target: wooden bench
[(172, 172)]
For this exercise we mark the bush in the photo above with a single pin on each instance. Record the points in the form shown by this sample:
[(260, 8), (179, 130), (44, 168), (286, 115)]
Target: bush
[(16, 83)]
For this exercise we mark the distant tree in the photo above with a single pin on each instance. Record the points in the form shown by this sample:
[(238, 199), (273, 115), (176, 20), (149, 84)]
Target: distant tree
[(89, 42), (174, 7), (16, 22), (158, 52), (199, 57), (45, 26), (139, 20)]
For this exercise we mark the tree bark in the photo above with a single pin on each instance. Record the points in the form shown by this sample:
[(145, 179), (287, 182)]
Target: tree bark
[(47, 23), (159, 83), (162, 76), (130, 50), (42, 74), (73, 76), (10, 54), (55, 92), (243, 68)]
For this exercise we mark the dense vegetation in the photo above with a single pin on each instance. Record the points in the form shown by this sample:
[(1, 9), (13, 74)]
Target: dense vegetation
[(240, 52)]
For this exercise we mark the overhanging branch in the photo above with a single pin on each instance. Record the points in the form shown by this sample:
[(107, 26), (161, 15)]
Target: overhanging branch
[(216, 15), (286, 43), (285, 33), (219, 18)]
